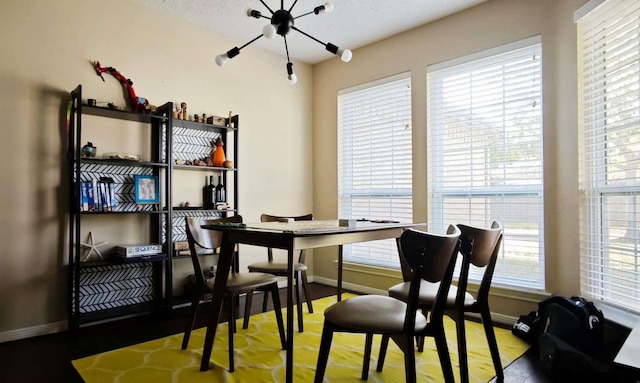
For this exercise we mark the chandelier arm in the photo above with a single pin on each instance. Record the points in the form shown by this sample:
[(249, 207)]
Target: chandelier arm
[(293, 5), (250, 42), (304, 14), (308, 35), (263, 3)]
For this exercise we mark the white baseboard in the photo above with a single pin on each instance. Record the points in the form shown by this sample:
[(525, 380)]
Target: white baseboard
[(29, 332), (505, 320)]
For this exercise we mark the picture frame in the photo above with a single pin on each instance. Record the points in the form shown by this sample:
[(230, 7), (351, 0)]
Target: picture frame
[(147, 189)]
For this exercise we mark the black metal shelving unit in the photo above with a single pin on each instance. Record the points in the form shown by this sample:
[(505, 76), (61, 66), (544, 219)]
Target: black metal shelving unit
[(115, 287)]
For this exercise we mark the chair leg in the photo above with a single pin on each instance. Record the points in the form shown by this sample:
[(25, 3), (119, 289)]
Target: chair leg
[(277, 308), (323, 352), (409, 360), (247, 309), (232, 328), (420, 342), (307, 296), (383, 352), (193, 311), (443, 354), (299, 303), (491, 339), (462, 346), (265, 302), (420, 338), (367, 356)]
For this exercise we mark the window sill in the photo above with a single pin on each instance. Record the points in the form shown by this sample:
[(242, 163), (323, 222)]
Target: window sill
[(618, 316)]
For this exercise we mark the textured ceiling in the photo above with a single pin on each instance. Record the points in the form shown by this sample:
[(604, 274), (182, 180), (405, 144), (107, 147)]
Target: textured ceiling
[(352, 24)]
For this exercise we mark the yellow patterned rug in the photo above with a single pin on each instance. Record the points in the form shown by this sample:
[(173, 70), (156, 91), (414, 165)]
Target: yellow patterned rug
[(258, 357)]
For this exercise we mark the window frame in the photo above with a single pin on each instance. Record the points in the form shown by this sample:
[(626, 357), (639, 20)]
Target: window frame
[(353, 252), (438, 193)]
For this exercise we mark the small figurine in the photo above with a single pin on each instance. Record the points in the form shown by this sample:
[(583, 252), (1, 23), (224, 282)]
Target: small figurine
[(196, 118), (89, 151), (229, 120), (183, 107)]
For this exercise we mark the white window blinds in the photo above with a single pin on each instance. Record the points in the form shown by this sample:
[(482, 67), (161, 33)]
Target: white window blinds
[(609, 118), (374, 161), (484, 117)]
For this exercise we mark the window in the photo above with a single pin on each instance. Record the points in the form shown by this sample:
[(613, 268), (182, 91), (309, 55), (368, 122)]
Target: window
[(609, 120), (374, 161), (484, 117)]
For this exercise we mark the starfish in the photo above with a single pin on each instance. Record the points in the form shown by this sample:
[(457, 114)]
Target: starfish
[(93, 247)]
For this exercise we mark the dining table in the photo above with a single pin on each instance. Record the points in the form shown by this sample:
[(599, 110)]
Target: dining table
[(291, 236)]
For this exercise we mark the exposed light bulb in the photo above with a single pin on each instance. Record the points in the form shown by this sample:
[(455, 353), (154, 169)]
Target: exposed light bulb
[(345, 55), (328, 7), (291, 74), (269, 31), (222, 59)]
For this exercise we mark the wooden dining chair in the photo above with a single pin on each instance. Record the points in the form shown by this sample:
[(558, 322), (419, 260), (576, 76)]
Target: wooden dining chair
[(479, 247), (238, 283), (432, 259), (280, 269)]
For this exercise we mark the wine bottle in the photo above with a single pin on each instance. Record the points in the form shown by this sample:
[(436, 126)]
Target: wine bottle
[(220, 196), (210, 198), (205, 194)]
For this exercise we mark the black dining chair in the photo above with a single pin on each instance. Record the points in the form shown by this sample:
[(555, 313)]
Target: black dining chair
[(280, 269), (237, 283), (432, 259), (479, 247)]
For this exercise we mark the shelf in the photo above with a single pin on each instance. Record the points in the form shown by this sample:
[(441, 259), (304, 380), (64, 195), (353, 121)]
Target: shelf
[(120, 114), (99, 161), (203, 168), (200, 208), (163, 211), (166, 139), (120, 261), (200, 126), (136, 308)]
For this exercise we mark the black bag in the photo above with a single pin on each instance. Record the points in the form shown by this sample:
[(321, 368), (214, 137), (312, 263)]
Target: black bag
[(574, 320), (525, 327), (566, 363)]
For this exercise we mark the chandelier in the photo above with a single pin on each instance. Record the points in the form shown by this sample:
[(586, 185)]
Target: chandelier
[(282, 22)]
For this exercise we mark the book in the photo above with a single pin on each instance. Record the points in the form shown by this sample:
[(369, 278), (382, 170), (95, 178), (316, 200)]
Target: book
[(92, 195), (137, 250), (105, 204), (84, 199), (114, 203)]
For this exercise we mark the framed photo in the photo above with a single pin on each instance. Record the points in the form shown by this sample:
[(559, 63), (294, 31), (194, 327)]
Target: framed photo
[(147, 189)]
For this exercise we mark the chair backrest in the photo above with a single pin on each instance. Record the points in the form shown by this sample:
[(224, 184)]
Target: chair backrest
[(280, 218), (432, 258), (479, 247), (208, 239)]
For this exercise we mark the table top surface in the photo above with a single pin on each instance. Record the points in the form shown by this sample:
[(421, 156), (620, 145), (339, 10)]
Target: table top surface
[(628, 354), (313, 227)]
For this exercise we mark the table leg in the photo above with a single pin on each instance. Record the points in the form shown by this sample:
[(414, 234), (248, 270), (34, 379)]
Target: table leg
[(290, 287), (220, 285), (339, 273)]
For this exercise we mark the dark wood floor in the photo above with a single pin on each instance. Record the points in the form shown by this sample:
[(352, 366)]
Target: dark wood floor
[(48, 358)]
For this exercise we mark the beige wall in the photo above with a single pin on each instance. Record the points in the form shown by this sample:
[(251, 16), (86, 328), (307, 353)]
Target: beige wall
[(47, 46), (487, 25)]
